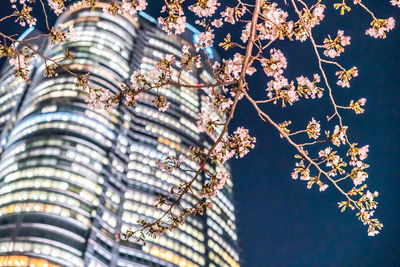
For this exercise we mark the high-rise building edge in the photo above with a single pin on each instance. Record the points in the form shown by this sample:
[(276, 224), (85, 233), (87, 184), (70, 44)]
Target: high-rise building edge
[(72, 177)]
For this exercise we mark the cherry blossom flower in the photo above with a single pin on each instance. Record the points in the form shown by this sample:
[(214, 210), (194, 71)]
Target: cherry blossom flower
[(218, 102), (136, 77), (307, 88), (395, 3), (323, 187), (169, 163), (113, 8), (357, 106), (70, 34), (222, 151), (362, 101), (205, 123), (161, 103), (23, 16), (133, 6), (231, 15), (241, 142), (188, 61), (304, 173), (215, 184), (335, 47), (100, 99), (363, 152), (205, 39), (175, 22), (370, 196), (245, 33), (204, 8), (338, 136), (58, 6), (217, 23), (313, 18), (358, 174), (275, 25), (275, 65), (345, 76), (230, 69), (380, 27), (313, 129), (280, 89), (325, 153), (18, 61)]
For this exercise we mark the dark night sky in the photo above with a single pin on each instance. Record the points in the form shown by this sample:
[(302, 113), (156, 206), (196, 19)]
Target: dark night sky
[(280, 222)]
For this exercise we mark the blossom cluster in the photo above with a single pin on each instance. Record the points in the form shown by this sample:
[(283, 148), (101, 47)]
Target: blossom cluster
[(281, 89), (344, 76), (379, 27), (335, 47), (170, 163)]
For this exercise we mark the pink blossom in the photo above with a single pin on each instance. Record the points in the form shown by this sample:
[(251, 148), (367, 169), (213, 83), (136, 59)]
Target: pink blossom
[(204, 8), (100, 99), (334, 48), (323, 187), (361, 176), (231, 68), (58, 6), (308, 88), (222, 176), (276, 64), (163, 165), (18, 61), (221, 152), (344, 76), (161, 103), (395, 3), (178, 26), (71, 32), (339, 135), (380, 27), (217, 23), (228, 15), (185, 49), (242, 141), (363, 152), (275, 23), (245, 33), (325, 153), (204, 123), (205, 39), (133, 6), (24, 16), (164, 107), (313, 129)]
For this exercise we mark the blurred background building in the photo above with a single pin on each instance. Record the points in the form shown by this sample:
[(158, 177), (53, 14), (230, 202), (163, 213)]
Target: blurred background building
[(72, 177)]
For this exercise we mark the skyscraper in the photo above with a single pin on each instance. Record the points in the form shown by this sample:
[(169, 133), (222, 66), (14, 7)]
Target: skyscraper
[(72, 177)]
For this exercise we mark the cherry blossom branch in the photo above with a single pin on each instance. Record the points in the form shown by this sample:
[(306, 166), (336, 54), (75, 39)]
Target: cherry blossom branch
[(268, 23), (45, 15), (149, 227), (298, 148), (7, 17), (319, 60)]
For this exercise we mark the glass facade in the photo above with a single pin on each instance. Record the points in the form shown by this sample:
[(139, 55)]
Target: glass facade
[(71, 177)]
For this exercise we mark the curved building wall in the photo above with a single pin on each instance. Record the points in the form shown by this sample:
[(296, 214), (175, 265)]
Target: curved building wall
[(71, 177)]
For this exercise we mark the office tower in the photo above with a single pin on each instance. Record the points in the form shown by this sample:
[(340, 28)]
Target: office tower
[(72, 177)]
